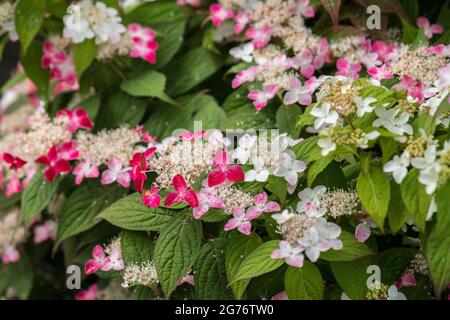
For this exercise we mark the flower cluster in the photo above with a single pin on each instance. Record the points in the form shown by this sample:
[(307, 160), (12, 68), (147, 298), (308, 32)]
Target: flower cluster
[(105, 258)]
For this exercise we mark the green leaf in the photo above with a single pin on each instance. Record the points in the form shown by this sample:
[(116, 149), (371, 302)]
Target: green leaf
[(33, 68), (317, 167), (374, 191), (278, 186), (200, 107), (84, 54), (36, 196), (137, 247), (304, 283), (191, 69), (176, 249), (308, 150), (287, 119), (259, 262), (388, 147), (210, 275), (351, 250), (416, 200), (28, 20), (238, 249), (397, 213), (437, 243), (121, 108), (409, 33), (170, 41), (331, 177), (20, 275), (393, 262), (147, 84), (352, 276), (131, 214), (155, 12), (80, 210)]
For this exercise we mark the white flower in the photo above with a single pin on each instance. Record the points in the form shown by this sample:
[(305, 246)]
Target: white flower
[(398, 166), (364, 141), (246, 144), (427, 160), (243, 52), (289, 168), (324, 115), (259, 173), (394, 294), (392, 120), (86, 21), (327, 145), (282, 217), (363, 105), (430, 178), (310, 201), (319, 238)]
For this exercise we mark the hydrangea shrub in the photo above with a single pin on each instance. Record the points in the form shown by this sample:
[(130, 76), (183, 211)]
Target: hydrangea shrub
[(225, 150)]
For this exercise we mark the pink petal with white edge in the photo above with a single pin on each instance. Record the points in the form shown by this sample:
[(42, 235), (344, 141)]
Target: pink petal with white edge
[(362, 232), (231, 224)]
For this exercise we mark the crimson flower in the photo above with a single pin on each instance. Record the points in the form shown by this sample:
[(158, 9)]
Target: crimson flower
[(224, 171), (182, 193), (78, 118), (14, 162), (140, 165), (54, 163)]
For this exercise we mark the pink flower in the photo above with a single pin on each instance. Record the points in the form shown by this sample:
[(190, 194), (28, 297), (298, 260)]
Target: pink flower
[(77, 118), (139, 163), (62, 68), (116, 172), (224, 171), (345, 68), (144, 44), (263, 206), (193, 3), (207, 199), (413, 88), (444, 77), (379, 73), (188, 278), (300, 94), (151, 198), (363, 230), (182, 193), (292, 254), (98, 262), (281, 296), (323, 54), (13, 185), (68, 151), (261, 98), (88, 294), (305, 9), (260, 36), (429, 29), (383, 50), (241, 220), (304, 62), (85, 169), (438, 49), (14, 162), (406, 280), (114, 262), (191, 136), (10, 254), (247, 75), (45, 231), (219, 14), (54, 163), (241, 19)]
